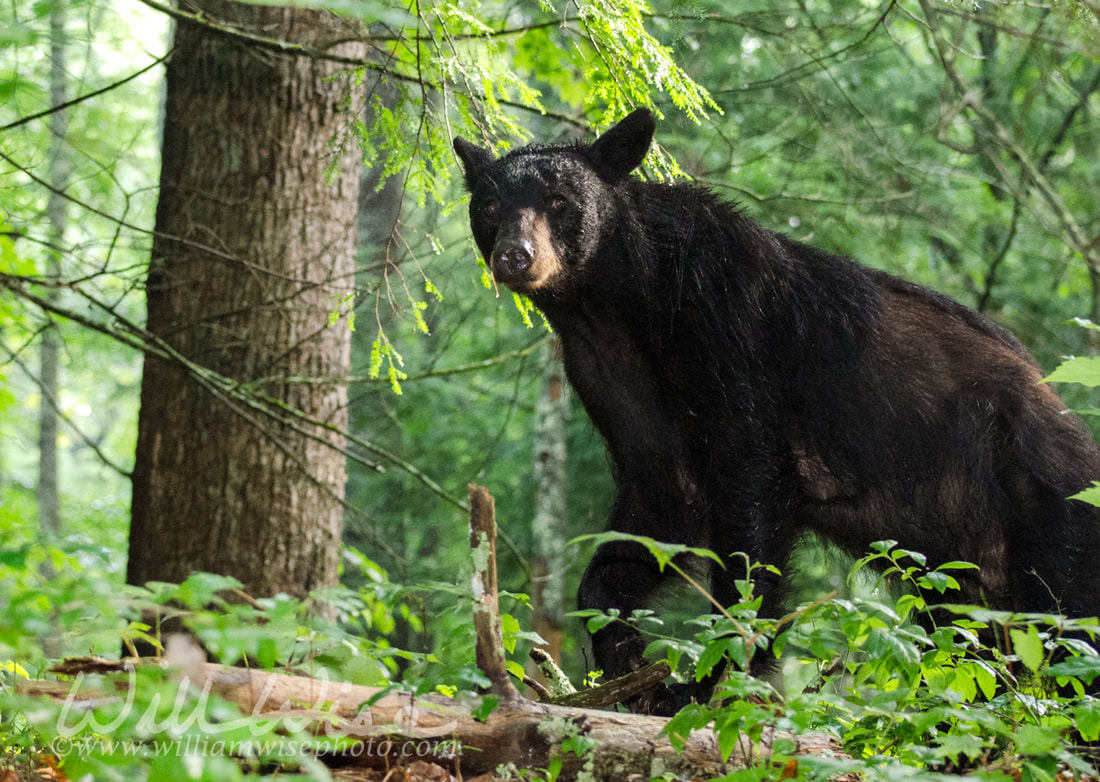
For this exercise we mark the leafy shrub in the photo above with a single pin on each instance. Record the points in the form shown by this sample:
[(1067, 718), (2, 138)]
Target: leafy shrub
[(53, 599), (904, 695)]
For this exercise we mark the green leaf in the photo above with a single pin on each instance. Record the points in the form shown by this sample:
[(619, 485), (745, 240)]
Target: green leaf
[(486, 707), (907, 603), (663, 552), (1086, 667), (964, 684), (1037, 739), (1090, 495), (957, 564), (713, 655), (1029, 647), (1086, 717), (940, 582), (916, 556), (10, 260), (692, 717), (515, 669), (14, 558), (579, 744), (1085, 371), (1084, 323), (952, 745), (509, 627), (885, 642), (599, 620), (984, 678)]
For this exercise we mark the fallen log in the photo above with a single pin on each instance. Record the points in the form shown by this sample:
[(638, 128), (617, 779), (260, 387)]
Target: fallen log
[(397, 728), (381, 728)]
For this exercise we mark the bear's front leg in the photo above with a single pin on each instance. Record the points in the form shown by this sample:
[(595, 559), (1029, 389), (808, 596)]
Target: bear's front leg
[(619, 577), (623, 575)]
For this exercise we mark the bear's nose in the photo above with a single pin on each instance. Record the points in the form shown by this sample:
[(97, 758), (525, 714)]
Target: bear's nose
[(511, 263)]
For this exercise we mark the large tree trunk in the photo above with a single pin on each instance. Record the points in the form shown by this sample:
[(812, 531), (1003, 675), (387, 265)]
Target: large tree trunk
[(254, 241)]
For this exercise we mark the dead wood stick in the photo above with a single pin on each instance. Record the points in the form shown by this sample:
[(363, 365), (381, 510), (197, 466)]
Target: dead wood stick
[(606, 695), (558, 683), (617, 690)]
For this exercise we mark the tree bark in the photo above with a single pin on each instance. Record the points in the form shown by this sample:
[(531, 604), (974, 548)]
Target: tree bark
[(255, 239)]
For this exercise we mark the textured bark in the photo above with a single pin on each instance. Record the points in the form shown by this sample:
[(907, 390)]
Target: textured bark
[(254, 240)]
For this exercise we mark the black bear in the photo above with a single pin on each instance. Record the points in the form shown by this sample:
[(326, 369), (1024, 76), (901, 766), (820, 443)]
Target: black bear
[(751, 388)]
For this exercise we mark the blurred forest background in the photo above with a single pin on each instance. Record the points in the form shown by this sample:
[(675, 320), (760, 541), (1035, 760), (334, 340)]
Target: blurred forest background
[(952, 143)]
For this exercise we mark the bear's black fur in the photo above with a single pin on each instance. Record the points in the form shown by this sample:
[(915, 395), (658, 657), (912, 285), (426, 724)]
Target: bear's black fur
[(751, 388)]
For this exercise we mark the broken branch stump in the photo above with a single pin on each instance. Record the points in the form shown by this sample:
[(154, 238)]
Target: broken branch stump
[(490, 640)]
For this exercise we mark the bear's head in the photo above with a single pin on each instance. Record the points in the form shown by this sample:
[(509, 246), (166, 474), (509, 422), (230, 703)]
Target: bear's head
[(540, 213)]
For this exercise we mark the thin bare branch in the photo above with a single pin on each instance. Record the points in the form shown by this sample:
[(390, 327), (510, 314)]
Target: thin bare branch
[(51, 400), (995, 138), (87, 96)]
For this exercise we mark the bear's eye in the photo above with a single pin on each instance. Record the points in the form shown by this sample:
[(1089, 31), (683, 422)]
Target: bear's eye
[(557, 203)]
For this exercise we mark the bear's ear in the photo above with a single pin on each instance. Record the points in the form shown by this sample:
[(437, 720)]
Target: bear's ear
[(474, 159), (623, 148)]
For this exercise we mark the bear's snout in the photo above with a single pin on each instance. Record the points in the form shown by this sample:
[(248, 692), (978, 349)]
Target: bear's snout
[(524, 257), (511, 261)]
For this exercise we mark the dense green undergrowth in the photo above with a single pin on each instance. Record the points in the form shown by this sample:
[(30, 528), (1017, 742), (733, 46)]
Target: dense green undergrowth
[(905, 699), (982, 693)]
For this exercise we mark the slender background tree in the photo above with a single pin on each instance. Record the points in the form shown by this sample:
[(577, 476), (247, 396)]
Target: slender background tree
[(47, 493), (550, 472)]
